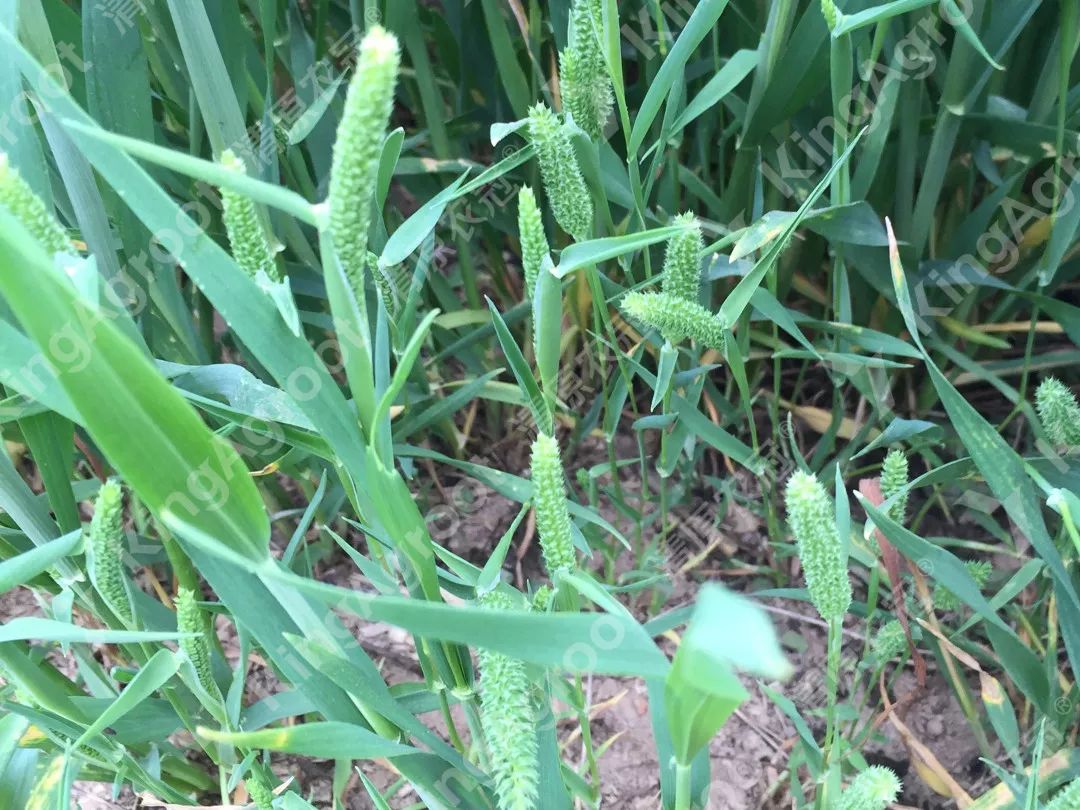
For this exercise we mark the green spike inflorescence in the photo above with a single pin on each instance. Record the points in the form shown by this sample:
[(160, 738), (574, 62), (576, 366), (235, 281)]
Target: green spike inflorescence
[(552, 513), (1058, 412), (107, 549), (246, 236), (190, 619), (541, 601), (682, 262), (873, 789), (534, 244), (810, 512), (675, 318), (1068, 798), (586, 87), (894, 480), (890, 640), (978, 570), (385, 284), (17, 196), (565, 187), (508, 718), (357, 150), (830, 12), (261, 796)]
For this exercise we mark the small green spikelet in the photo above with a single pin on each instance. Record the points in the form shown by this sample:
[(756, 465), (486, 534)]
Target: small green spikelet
[(565, 187), (385, 283), (830, 12), (890, 640), (682, 263), (1058, 412), (873, 789), (261, 796), (810, 512), (541, 601), (894, 479), (586, 86), (978, 570), (107, 549), (246, 236), (675, 318), (508, 718), (552, 513), (1067, 798), (189, 619), (357, 150), (534, 243), (17, 196)]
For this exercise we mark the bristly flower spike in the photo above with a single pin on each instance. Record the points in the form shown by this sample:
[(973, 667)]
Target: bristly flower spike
[(894, 480), (675, 318), (873, 789), (830, 13), (563, 182), (1058, 412), (534, 243), (812, 518), (890, 640), (17, 196), (190, 619), (357, 150), (508, 718), (682, 260), (261, 796), (978, 570), (246, 236), (552, 513), (586, 87), (1066, 799), (107, 550)]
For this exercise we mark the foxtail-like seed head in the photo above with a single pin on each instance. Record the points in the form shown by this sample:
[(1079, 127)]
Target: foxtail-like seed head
[(586, 86), (873, 789), (508, 718), (552, 512), (1058, 412), (830, 13), (813, 522), (261, 796), (563, 182), (894, 480), (1068, 798), (17, 196), (534, 244), (249, 245), (107, 549), (354, 172), (675, 318), (978, 570), (541, 601), (889, 641), (682, 262), (190, 619)]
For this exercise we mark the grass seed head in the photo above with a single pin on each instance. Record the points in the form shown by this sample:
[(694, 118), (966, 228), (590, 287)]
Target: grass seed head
[(534, 244), (978, 570), (811, 514), (675, 318), (586, 86), (107, 549), (508, 718), (565, 187), (17, 196), (1058, 412), (190, 619), (261, 796), (552, 513), (358, 148), (890, 640), (873, 789), (830, 12), (1066, 799), (682, 260), (247, 238), (894, 479)]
